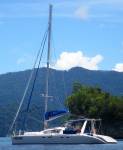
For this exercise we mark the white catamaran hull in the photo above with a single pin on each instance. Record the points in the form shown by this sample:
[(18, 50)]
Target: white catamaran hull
[(62, 139)]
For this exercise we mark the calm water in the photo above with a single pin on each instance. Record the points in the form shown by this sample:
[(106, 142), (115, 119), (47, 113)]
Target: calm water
[(5, 144)]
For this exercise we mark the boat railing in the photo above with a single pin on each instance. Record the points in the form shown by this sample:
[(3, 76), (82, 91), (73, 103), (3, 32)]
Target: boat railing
[(19, 132)]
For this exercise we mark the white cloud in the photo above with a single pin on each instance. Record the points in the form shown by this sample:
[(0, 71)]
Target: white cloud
[(26, 59), (22, 10), (81, 12), (101, 10), (118, 67), (21, 61), (68, 60)]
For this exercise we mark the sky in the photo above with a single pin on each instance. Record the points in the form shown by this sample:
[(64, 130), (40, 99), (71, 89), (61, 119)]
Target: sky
[(85, 33)]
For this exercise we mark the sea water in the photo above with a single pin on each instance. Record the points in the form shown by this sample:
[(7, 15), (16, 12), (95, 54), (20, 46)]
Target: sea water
[(5, 144)]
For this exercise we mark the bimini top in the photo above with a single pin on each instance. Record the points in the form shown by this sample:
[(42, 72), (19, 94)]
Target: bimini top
[(54, 114), (72, 122)]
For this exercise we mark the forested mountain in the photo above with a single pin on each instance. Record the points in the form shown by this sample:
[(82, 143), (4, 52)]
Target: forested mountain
[(12, 86)]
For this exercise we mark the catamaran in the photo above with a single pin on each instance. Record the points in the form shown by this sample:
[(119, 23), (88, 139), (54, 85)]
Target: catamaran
[(79, 131)]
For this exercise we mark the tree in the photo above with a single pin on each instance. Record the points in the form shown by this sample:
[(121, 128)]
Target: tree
[(93, 102)]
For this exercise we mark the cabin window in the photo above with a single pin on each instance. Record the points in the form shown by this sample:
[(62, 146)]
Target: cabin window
[(51, 131)]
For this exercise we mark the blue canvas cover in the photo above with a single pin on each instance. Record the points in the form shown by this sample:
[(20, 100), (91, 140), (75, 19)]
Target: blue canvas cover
[(55, 113)]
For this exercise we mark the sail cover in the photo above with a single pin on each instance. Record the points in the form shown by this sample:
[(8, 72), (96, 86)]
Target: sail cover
[(54, 114)]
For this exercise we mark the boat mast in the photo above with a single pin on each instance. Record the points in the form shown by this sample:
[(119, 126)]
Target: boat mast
[(48, 60)]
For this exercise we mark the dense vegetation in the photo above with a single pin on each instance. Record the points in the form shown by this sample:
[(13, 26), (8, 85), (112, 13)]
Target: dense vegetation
[(94, 103)]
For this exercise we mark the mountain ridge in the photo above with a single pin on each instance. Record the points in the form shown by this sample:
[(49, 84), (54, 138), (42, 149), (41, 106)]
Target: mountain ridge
[(12, 84)]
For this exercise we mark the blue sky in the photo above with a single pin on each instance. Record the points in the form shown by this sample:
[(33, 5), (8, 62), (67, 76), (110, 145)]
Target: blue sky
[(86, 33)]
